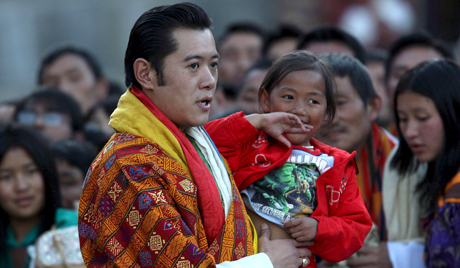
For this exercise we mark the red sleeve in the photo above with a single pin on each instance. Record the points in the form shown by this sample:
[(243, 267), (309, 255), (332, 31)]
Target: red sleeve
[(342, 234), (233, 136)]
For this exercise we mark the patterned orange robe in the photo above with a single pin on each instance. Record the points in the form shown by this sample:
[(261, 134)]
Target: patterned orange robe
[(141, 207)]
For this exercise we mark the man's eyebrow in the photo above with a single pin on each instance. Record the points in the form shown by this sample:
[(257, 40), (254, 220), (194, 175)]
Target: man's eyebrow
[(198, 57)]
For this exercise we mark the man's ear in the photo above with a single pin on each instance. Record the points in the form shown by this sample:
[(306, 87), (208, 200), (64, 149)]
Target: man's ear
[(265, 101), (373, 108), (145, 74)]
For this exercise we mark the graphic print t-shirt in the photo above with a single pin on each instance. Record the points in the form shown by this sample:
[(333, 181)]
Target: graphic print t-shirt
[(290, 191)]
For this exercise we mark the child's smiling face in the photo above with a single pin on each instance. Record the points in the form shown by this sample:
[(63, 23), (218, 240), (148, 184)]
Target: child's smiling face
[(301, 93)]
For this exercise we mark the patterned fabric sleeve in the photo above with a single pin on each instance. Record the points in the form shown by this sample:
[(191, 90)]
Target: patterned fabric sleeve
[(442, 245), (138, 218)]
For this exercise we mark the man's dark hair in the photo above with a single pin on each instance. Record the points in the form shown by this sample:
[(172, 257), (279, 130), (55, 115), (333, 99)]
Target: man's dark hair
[(241, 27), (326, 34), (348, 66), (66, 50), (152, 36), (284, 31), (57, 101), (422, 39)]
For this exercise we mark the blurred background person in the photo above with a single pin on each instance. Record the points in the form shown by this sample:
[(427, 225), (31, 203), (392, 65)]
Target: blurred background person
[(76, 72), (354, 129), (281, 41), (97, 127), (406, 53), (29, 194), (73, 159), (239, 47), (7, 110), (331, 39), (248, 96), (375, 63), (53, 113)]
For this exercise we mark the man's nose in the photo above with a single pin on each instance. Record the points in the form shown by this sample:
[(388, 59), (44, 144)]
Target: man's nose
[(208, 78)]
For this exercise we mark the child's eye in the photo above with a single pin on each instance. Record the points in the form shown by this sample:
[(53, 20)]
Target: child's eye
[(194, 66), (313, 102), (288, 97)]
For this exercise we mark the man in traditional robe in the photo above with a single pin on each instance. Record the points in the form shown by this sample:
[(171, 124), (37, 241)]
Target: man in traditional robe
[(159, 194)]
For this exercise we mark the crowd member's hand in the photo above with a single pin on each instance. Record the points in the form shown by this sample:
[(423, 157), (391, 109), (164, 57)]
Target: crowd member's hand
[(283, 252), (302, 229), (375, 257), (275, 124)]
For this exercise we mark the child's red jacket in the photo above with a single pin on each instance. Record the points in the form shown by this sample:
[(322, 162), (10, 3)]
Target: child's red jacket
[(343, 221)]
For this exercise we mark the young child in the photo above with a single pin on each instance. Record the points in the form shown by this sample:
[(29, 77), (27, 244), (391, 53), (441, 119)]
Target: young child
[(306, 191)]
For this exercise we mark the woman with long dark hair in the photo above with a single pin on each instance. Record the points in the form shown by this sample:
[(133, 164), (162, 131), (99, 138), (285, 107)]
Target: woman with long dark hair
[(29, 194), (427, 110)]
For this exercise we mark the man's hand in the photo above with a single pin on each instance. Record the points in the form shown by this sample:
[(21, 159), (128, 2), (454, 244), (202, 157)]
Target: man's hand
[(275, 124), (371, 257), (302, 229), (283, 252)]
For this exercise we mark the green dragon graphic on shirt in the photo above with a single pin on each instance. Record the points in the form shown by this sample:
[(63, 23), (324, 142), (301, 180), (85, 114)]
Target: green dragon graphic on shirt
[(290, 189)]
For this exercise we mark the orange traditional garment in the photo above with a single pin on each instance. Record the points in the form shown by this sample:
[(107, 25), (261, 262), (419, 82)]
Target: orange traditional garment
[(371, 163), (150, 201)]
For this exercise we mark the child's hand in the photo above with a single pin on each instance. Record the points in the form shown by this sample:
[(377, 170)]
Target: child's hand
[(275, 124), (302, 229)]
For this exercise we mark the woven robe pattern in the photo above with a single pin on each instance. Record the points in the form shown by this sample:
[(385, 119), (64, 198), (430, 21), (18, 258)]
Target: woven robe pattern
[(139, 208), (371, 174)]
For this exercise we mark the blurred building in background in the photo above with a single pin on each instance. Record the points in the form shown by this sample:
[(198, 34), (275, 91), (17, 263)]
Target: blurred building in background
[(29, 28)]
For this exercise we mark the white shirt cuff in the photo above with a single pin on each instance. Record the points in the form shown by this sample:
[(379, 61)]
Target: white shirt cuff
[(254, 261), (406, 254)]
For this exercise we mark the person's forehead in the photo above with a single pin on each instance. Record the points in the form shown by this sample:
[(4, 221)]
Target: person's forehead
[(65, 63), (191, 42), (413, 55), (42, 105), (345, 87), (321, 47), (239, 39)]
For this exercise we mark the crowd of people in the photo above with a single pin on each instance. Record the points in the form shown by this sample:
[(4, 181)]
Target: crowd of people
[(262, 149)]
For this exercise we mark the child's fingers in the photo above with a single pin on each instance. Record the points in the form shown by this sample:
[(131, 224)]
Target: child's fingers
[(292, 223), (303, 238), (284, 141), (297, 124)]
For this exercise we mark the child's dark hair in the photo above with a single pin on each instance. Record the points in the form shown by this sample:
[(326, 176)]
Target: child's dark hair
[(301, 61)]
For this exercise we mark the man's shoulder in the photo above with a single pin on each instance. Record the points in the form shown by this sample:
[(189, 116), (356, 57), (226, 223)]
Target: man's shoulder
[(125, 149)]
